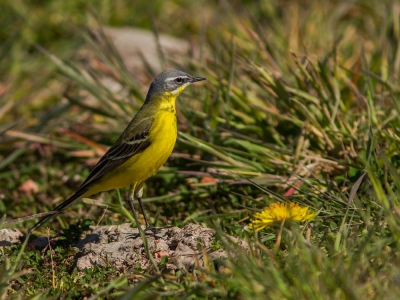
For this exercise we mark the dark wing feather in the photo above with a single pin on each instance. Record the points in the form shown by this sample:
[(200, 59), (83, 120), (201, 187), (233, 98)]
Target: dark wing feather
[(117, 155), (133, 140), (114, 157)]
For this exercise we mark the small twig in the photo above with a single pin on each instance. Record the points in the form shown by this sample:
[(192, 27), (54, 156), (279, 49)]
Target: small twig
[(102, 216), (51, 258), (21, 219)]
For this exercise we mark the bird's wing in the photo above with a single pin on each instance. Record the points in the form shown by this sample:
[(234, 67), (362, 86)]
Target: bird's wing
[(134, 140)]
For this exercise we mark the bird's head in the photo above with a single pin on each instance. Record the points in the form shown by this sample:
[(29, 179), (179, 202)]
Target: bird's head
[(171, 83)]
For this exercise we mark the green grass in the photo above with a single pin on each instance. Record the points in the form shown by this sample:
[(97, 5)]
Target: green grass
[(299, 95)]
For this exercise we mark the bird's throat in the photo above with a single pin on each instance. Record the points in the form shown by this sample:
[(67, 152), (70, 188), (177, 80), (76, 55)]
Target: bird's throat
[(168, 104)]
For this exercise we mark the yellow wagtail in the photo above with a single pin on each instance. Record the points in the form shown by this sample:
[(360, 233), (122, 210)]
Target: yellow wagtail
[(142, 148)]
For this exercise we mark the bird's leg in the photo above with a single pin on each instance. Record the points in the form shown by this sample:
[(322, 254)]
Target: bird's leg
[(148, 226), (131, 197), (139, 194)]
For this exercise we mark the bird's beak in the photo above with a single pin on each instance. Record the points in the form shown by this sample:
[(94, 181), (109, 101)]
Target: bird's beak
[(195, 79)]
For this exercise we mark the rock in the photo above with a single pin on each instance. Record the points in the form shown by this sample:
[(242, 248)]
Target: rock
[(8, 237), (134, 45), (122, 247)]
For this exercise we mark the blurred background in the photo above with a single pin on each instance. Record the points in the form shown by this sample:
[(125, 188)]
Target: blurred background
[(301, 101)]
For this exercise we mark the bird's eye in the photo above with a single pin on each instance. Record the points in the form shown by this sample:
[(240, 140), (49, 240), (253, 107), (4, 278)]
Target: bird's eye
[(179, 80)]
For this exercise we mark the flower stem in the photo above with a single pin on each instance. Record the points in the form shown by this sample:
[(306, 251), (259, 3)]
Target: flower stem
[(279, 238)]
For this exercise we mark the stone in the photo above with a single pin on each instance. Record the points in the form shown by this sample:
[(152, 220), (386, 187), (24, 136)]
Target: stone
[(122, 247)]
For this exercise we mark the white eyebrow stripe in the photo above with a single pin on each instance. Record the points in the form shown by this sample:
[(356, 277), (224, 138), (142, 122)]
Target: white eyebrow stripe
[(173, 78)]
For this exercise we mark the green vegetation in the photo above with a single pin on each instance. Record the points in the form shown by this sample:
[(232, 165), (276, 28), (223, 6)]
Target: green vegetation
[(302, 104)]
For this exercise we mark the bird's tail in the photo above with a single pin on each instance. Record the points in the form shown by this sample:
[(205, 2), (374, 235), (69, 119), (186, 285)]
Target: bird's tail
[(57, 210)]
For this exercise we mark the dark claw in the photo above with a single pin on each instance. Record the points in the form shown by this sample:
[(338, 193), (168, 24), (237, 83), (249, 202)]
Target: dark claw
[(151, 228)]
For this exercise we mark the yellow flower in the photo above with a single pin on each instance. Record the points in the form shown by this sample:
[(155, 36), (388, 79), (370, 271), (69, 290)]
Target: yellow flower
[(278, 212)]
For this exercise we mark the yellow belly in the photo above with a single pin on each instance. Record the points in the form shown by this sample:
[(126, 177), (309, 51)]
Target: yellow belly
[(141, 166)]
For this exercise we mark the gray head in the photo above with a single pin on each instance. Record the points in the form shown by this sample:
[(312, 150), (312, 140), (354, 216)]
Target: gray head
[(171, 82)]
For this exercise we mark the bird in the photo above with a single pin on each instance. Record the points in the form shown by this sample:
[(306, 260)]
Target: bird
[(142, 148)]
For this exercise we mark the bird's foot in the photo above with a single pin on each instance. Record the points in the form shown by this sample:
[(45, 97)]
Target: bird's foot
[(151, 228)]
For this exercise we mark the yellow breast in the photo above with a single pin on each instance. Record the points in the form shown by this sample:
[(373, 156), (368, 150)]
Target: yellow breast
[(162, 136)]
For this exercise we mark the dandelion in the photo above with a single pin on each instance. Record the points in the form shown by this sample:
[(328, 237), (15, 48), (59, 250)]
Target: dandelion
[(279, 212)]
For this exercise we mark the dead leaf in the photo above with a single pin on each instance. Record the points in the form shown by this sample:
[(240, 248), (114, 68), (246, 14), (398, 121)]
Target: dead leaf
[(29, 187), (208, 180)]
